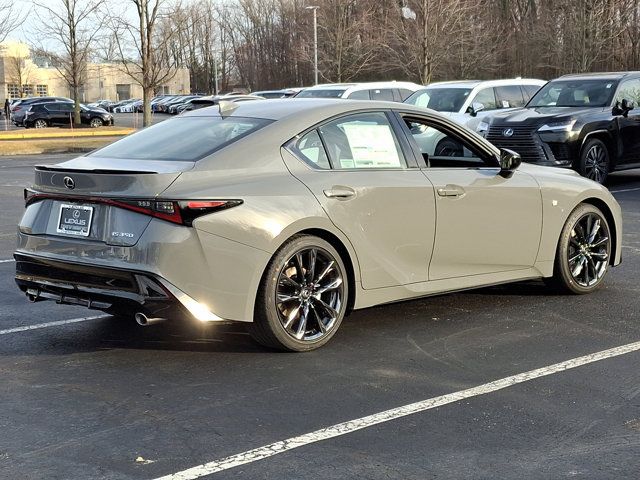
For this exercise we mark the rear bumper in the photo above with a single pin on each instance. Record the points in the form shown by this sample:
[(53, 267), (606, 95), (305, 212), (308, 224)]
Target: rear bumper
[(102, 288)]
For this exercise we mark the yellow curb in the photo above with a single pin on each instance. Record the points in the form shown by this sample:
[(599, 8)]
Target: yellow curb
[(65, 134)]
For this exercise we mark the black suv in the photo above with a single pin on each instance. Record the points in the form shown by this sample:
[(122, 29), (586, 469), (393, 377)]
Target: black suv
[(588, 122), (41, 115)]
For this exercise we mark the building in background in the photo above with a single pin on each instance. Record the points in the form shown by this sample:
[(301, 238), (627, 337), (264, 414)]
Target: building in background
[(22, 75)]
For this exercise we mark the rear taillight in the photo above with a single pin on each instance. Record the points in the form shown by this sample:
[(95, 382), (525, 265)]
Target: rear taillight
[(183, 212), (15, 109)]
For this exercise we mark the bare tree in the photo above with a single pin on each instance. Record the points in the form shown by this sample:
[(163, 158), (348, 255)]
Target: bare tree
[(72, 25), (144, 46), (10, 18)]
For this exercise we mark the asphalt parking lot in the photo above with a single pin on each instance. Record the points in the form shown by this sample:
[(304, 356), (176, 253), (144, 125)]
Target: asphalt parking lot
[(103, 398)]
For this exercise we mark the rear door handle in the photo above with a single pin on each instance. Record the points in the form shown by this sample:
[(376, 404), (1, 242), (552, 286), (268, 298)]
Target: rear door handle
[(340, 192), (451, 191)]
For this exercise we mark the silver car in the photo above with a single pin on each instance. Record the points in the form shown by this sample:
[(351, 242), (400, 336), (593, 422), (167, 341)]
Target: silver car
[(288, 214)]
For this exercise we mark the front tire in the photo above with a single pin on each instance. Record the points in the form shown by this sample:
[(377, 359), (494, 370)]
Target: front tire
[(96, 122), (583, 253), (303, 296), (594, 161)]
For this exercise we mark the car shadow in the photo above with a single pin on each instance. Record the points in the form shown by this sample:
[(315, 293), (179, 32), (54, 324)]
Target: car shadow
[(623, 178)]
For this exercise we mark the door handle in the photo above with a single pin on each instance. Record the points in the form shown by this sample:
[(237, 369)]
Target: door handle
[(451, 191), (339, 192)]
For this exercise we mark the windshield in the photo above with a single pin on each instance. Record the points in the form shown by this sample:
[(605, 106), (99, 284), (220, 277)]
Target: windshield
[(440, 99), (182, 139), (575, 93), (330, 93)]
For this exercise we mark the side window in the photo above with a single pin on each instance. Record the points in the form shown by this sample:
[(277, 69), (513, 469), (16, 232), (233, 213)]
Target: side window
[(486, 97), (443, 149), (364, 140), (310, 148), (64, 107), (530, 91), (359, 95), (385, 94), (509, 96), (629, 90)]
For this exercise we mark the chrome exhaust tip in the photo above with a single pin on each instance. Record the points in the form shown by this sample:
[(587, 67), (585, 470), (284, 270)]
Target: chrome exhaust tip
[(143, 320)]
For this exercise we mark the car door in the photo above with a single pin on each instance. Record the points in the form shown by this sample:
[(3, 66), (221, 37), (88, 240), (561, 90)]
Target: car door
[(373, 191), (62, 112), (485, 223), (629, 125), (486, 97)]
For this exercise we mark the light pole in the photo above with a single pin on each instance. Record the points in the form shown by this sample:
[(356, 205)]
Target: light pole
[(315, 41)]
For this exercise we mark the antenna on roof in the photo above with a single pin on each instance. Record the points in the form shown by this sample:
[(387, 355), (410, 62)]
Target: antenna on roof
[(226, 107)]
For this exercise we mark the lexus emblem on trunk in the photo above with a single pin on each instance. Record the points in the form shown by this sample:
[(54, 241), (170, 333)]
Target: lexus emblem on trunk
[(69, 183), (507, 132)]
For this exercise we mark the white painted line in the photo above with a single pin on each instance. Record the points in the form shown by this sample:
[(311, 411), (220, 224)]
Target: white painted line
[(388, 415), (50, 324), (625, 190), (7, 261)]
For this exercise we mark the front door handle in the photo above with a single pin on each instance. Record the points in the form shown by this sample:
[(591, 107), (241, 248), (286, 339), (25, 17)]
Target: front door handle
[(340, 192), (451, 191)]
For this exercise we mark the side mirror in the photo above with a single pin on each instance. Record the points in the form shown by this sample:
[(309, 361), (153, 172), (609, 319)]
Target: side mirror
[(475, 108), (509, 162)]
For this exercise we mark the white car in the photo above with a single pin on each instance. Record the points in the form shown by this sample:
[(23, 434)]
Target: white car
[(466, 102), (128, 107), (388, 91)]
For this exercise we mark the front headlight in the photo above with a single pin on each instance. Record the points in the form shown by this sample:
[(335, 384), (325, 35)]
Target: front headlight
[(482, 128), (564, 126)]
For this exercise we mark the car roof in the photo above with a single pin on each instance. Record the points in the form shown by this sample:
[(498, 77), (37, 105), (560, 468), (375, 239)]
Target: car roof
[(598, 76), (487, 83)]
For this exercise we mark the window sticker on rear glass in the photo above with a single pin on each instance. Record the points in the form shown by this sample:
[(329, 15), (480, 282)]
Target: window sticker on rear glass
[(609, 85), (371, 146)]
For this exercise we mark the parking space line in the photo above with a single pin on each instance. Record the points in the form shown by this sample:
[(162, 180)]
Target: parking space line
[(50, 324), (351, 426), (7, 261)]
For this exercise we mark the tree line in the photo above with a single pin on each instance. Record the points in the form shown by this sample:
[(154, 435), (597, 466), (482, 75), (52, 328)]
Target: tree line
[(264, 44)]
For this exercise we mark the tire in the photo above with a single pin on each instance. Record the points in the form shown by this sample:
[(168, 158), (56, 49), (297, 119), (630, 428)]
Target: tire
[(40, 123), (448, 148), (583, 252), (595, 162), (96, 122), (292, 313)]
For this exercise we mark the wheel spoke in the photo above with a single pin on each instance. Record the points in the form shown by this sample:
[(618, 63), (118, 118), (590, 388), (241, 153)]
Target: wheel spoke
[(595, 228), (284, 298), (331, 286), (293, 314), (601, 241), (321, 325), (600, 255), (297, 261), (290, 282), (302, 326), (578, 268), (327, 269), (313, 257), (575, 257), (327, 308)]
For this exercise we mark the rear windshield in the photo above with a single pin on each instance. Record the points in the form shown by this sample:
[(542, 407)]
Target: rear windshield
[(182, 139), (575, 93), (440, 99), (330, 93)]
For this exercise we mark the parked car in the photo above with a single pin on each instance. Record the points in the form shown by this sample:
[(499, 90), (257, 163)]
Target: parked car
[(390, 91), (172, 106), (163, 106), (129, 106), (19, 108), (467, 102), (306, 202), (271, 93), (588, 122), (48, 114)]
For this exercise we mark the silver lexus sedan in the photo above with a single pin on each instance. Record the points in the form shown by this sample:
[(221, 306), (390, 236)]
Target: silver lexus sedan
[(290, 213)]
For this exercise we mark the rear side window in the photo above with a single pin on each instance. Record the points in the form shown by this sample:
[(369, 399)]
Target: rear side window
[(509, 96), (310, 148), (385, 94), (487, 98), (364, 140), (359, 95), (182, 139)]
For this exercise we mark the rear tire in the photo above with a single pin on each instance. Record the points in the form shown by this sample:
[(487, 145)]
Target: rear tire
[(583, 252), (40, 123), (302, 298), (594, 161)]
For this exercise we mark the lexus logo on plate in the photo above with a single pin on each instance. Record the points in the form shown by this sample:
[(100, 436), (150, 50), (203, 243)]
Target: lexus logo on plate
[(507, 132), (69, 183)]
